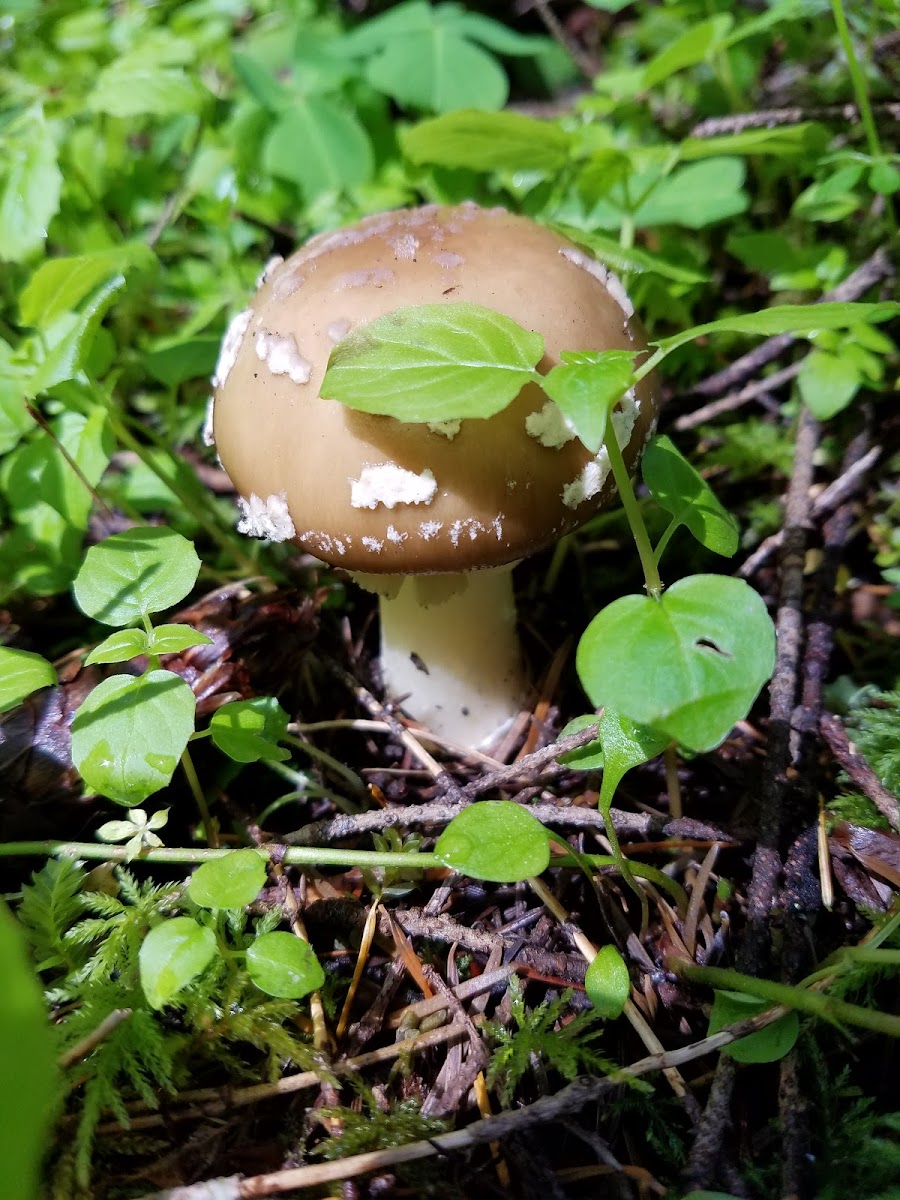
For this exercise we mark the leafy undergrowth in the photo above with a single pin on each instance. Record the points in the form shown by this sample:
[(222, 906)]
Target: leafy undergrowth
[(272, 930)]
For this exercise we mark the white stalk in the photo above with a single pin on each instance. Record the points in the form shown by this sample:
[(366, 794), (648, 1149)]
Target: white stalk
[(449, 644)]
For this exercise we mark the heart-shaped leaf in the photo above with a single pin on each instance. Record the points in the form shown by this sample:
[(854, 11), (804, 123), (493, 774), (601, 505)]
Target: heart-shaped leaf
[(688, 664)]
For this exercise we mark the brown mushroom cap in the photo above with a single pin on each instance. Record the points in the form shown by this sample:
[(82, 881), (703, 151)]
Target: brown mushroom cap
[(375, 494)]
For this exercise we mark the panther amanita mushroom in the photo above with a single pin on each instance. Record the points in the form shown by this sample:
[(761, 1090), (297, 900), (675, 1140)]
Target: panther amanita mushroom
[(432, 517)]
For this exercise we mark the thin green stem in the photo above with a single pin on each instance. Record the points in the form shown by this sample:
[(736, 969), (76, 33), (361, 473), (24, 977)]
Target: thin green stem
[(635, 518), (295, 856), (665, 539), (857, 78), (209, 828), (815, 1004), (328, 761), (640, 870), (860, 91)]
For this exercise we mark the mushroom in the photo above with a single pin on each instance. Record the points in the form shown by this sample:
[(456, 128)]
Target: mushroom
[(432, 517)]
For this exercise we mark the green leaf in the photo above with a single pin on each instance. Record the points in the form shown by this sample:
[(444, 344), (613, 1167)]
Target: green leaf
[(60, 284), (131, 574), (29, 1078), (625, 745), (120, 646), (680, 490), (495, 840), (172, 639), (22, 673), (262, 86), (766, 1045), (586, 386), (587, 758), (688, 664), (827, 383), (148, 81), (38, 473), (68, 341), (629, 258), (15, 420), (496, 36), (433, 362), (30, 183), (172, 955), (693, 46), (438, 71), (793, 140), (129, 734), (696, 195), (283, 965), (790, 318), (488, 141), (173, 364), (232, 881), (249, 730), (320, 147), (607, 982)]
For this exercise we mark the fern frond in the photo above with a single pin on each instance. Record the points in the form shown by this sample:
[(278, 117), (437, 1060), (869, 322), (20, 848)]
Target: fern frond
[(50, 903)]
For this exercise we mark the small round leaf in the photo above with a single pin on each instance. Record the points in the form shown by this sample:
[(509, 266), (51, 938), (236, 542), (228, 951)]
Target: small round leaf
[(232, 881), (283, 965), (607, 982), (248, 730), (172, 954), (495, 840), (764, 1046), (130, 574), (129, 734)]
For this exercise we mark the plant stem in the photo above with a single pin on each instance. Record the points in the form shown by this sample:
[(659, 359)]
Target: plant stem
[(816, 1004), (209, 828), (635, 518), (860, 91), (296, 856)]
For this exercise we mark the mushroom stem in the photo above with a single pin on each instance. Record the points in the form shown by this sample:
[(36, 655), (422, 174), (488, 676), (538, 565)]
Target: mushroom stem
[(449, 645)]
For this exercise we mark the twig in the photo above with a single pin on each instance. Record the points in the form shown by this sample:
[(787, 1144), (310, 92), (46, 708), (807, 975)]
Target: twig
[(771, 118), (571, 1099), (837, 492), (225, 1099), (874, 269), (213, 1101), (736, 400), (83, 1048), (643, 825), (585, 63), (381, 713), (527, 768), (858, 769)]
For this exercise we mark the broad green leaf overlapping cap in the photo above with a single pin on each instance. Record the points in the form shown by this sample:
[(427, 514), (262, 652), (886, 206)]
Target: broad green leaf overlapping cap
[(440, 452)]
